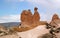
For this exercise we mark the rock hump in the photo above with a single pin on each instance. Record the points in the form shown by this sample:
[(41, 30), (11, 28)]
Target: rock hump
[(36, 16), (55, 17)]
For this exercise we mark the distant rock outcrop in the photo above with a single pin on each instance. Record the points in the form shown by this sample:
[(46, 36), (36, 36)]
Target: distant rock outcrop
[(55, 20), (55, 17)]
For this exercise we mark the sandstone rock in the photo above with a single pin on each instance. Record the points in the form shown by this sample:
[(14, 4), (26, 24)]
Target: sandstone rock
[(55, 20), (26, 16), (55, 17), (30, 21), (29, 16), (36, 16)]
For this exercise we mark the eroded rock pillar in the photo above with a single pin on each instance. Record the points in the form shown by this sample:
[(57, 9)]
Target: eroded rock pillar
[(36, 16)]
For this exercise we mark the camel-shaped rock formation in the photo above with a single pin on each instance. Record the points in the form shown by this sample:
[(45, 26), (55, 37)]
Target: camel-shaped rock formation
[(29, 20)]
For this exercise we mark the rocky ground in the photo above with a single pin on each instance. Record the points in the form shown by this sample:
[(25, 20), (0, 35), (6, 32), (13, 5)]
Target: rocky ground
[(33, 33)]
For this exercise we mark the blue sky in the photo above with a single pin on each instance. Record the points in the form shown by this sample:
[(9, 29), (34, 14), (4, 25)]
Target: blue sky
[(10, 10)]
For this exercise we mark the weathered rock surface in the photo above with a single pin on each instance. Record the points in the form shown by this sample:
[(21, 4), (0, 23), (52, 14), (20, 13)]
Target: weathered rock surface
[(55, 17), (30, 21), (36, 16), (33, 33), (55, 20), (26, 17), (29, 16)]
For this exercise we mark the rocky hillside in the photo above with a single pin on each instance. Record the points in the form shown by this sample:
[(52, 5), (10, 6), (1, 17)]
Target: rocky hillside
[(9, 24)]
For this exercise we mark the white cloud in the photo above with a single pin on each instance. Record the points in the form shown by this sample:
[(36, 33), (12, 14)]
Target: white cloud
[(47, 16), (46, 3), (16, 18), (10, 18), (50, 5), (53, 4)]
